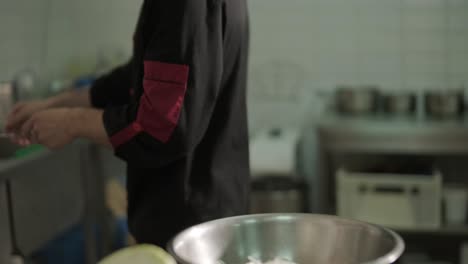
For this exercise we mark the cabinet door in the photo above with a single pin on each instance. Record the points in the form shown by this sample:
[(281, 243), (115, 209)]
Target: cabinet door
[(5, 235)]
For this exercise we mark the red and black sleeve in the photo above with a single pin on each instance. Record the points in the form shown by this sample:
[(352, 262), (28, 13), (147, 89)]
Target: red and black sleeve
[(112, 88), (182, 75)]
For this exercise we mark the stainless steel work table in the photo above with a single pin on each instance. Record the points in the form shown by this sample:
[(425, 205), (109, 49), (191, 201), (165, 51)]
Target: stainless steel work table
[(381, 134), (47, 192)]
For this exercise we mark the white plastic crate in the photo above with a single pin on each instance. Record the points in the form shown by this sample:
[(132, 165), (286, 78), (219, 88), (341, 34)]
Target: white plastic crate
[(392, 200)]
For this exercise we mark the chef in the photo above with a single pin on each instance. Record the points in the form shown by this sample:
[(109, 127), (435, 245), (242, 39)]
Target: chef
[(176, 113)]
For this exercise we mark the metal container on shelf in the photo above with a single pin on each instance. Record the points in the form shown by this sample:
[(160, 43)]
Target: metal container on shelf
[(357, 100), (278, 194), (399, 103), (297, 238), (444, 103)]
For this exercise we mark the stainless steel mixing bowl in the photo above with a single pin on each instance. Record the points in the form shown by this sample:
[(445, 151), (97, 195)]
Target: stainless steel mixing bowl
[(301, 238)]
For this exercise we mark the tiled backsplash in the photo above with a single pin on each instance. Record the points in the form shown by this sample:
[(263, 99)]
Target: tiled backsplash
[(22, 25), (397, 44), (50, 35)]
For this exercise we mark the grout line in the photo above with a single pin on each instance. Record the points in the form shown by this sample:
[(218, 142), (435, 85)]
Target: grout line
[(45, 38), (446, 43), (403, 70)]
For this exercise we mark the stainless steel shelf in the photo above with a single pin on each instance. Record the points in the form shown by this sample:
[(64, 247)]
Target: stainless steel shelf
[(382, 134)]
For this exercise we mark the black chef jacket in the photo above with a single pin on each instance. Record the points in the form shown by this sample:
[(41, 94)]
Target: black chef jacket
[(176, 113)]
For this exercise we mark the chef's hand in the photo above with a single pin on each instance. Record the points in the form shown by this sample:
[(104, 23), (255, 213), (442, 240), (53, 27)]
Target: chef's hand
[(51, 128), (22, 112)]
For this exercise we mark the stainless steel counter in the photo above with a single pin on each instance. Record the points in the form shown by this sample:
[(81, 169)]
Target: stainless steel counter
[(51, 191)]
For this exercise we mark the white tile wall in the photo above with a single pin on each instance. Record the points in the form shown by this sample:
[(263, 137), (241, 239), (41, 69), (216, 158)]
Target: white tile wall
[(457, 20), (50, 35), (425, 42), (83, 29), (21, 36), (424, 4), (459, 63), (398, 44)]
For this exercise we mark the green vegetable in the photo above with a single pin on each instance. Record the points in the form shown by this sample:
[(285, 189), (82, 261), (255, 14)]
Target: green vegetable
[(23, 152)]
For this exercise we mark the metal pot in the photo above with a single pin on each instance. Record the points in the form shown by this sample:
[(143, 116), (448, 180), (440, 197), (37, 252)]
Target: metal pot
[(357, 100), (444, 103), (278, 194), (399, 103), (301, 238)]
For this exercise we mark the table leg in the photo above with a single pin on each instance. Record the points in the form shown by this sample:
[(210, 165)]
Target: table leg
[(321, 186), (5, 229)]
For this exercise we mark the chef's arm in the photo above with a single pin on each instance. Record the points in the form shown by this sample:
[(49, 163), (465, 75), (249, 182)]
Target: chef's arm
[(183, 72), (22, 111), (113, 88), (110, 89), (78, 98), (87, 123)]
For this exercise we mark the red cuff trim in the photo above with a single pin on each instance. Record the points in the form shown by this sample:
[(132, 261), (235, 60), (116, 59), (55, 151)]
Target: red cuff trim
[(164, 88), (160, 71), (125, 134), (160, 108)]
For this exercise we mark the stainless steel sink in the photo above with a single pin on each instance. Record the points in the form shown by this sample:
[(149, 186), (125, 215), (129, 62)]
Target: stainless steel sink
[(7, 148)]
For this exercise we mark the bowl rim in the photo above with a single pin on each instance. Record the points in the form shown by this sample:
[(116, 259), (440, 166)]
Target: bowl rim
[(390, 257)]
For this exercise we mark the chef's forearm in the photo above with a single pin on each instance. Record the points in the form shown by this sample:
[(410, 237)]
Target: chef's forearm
[(79, 98), (88, 123)]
